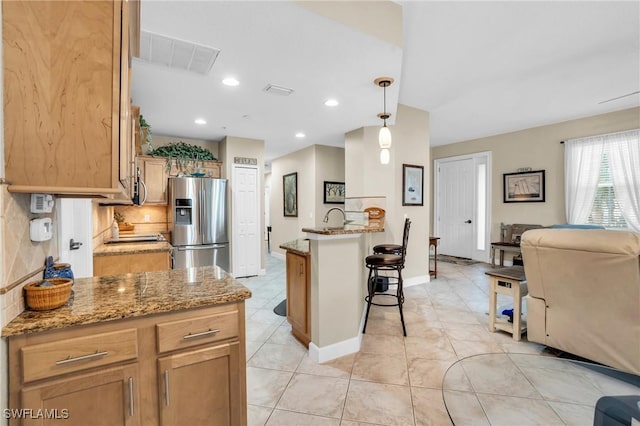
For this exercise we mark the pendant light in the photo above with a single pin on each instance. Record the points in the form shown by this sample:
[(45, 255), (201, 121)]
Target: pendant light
[(384, 137)]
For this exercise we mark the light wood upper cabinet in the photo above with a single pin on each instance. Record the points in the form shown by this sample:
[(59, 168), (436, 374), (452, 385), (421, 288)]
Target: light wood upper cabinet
[(154, 174), (66, 95)]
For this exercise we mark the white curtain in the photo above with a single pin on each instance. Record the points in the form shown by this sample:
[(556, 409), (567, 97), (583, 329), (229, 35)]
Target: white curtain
[(624, 160), (582, 159)]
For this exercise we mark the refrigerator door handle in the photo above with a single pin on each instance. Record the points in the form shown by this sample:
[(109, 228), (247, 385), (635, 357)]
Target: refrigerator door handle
[(207, 247)]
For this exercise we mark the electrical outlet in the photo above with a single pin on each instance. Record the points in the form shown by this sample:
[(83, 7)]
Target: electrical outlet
[(147, 218)]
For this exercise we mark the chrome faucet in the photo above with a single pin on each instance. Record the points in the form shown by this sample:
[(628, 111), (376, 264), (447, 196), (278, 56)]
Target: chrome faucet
[(326, 216)]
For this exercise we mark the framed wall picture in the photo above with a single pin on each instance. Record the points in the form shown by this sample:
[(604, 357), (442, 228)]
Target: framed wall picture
[(290, 194), (333, 192), (524, 187), (412, 185)]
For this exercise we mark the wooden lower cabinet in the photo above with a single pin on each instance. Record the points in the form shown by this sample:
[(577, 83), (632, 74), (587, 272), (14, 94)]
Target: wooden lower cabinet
[(106, 398), (210, 373), (131, 262), (83, 375), (299, 296)]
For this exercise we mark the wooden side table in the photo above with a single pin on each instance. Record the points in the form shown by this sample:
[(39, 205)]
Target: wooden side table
[(433, 242), (512, 282)]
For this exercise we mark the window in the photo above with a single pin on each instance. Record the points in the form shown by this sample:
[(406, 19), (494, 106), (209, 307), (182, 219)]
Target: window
[(606, 210)]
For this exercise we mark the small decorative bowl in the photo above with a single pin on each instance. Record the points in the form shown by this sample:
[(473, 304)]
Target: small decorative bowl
[(197, 174), (48, 297)]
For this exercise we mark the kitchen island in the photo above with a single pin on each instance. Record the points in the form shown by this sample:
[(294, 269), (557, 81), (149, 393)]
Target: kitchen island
[(164, 347), (338, 287)]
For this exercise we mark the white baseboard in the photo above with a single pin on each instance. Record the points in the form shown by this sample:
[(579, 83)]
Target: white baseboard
[(420, 279), (262, 271), (336, 350), (277, 255)]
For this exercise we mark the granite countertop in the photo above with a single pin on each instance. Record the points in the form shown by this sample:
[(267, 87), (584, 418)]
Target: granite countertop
[(297, 246), (345, 229), (115, 297), (132, 248)]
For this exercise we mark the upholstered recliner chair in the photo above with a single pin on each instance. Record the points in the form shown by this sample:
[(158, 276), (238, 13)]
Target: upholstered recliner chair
[(584, 293)]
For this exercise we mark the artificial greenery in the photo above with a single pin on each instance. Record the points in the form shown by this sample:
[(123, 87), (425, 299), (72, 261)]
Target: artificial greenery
[(183, 153), (119, 217)]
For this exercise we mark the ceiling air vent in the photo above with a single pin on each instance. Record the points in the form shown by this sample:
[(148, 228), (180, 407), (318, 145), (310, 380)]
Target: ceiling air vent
[(174, 53), (278, 90)]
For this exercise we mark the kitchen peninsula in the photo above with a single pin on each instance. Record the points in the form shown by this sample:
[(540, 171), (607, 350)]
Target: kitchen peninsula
[(337, 288), (164, 347)]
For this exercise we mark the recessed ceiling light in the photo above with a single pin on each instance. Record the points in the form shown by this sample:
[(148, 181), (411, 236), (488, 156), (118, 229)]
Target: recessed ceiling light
[(230, 81), (200, 121), (300, 135), (331, 102)]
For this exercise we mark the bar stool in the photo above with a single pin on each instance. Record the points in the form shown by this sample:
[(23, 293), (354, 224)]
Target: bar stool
[(387, 262), (393, 248)]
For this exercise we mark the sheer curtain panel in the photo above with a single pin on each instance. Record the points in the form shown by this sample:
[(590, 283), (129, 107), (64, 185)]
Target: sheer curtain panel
[(624, 157), (581, 173)]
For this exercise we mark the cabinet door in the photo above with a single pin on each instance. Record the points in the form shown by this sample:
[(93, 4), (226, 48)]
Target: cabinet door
[(202, 387), (298, 310), (109, 397), (61, 64), (154, 175), (125, 263)]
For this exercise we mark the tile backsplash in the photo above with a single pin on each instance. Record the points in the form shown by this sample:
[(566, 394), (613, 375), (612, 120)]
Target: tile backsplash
[(20, 255)]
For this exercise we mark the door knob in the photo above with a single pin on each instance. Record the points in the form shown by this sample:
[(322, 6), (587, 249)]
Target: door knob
[(467, 221)]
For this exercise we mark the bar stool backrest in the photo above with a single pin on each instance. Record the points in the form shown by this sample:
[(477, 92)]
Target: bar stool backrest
[(405, 238)]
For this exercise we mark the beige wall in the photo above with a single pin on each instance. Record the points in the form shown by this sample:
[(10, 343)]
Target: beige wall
[(162, 140), (232, 147), (366, 177), (540, 149), (314, 165)]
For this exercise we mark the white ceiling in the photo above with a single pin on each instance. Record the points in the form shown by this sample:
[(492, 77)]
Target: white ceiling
[(479, 68)]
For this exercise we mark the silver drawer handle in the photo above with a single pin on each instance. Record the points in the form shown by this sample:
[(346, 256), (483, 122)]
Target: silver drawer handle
[(201, 334), (70, 359)]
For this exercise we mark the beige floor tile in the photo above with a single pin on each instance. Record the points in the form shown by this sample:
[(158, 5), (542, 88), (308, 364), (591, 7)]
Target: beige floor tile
[(257, 416), (509, 410), (438, 347), (428, 373), (379, 368), (429, 408), (282, 336), (278, 357), (382, 344), (609, 385), (498, 375), (378, 403), (455, 378), (390, 327), (268, 316), (259, 331), (465, 409), (466, 348), (563, 386), (252, 348), (340, 367), (265, 387), (350, 423), (290, 418), (469, 332), (457, 316), (573, 414), (321, 396)]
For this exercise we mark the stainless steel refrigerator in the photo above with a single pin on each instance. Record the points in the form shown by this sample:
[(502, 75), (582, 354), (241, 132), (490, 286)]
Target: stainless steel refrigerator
[(198, 218)]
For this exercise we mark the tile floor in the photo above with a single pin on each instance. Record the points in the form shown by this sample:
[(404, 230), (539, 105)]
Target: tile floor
[(393, 380)]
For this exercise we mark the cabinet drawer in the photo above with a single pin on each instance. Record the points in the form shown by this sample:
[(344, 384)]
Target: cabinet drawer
[(196, 331), (68, 355)]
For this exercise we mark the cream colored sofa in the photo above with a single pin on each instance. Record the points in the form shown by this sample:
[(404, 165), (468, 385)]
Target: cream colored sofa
[(584, 293)]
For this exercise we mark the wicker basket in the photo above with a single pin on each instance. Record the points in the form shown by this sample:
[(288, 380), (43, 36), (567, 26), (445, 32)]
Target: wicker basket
[(125, 226), (45, 298)]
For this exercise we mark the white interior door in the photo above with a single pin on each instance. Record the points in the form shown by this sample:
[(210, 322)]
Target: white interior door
[(246, 222), (75, 222), (455, 207)]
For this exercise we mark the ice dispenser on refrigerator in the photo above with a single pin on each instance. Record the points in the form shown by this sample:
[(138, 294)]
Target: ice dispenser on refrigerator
[(198, 217)]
